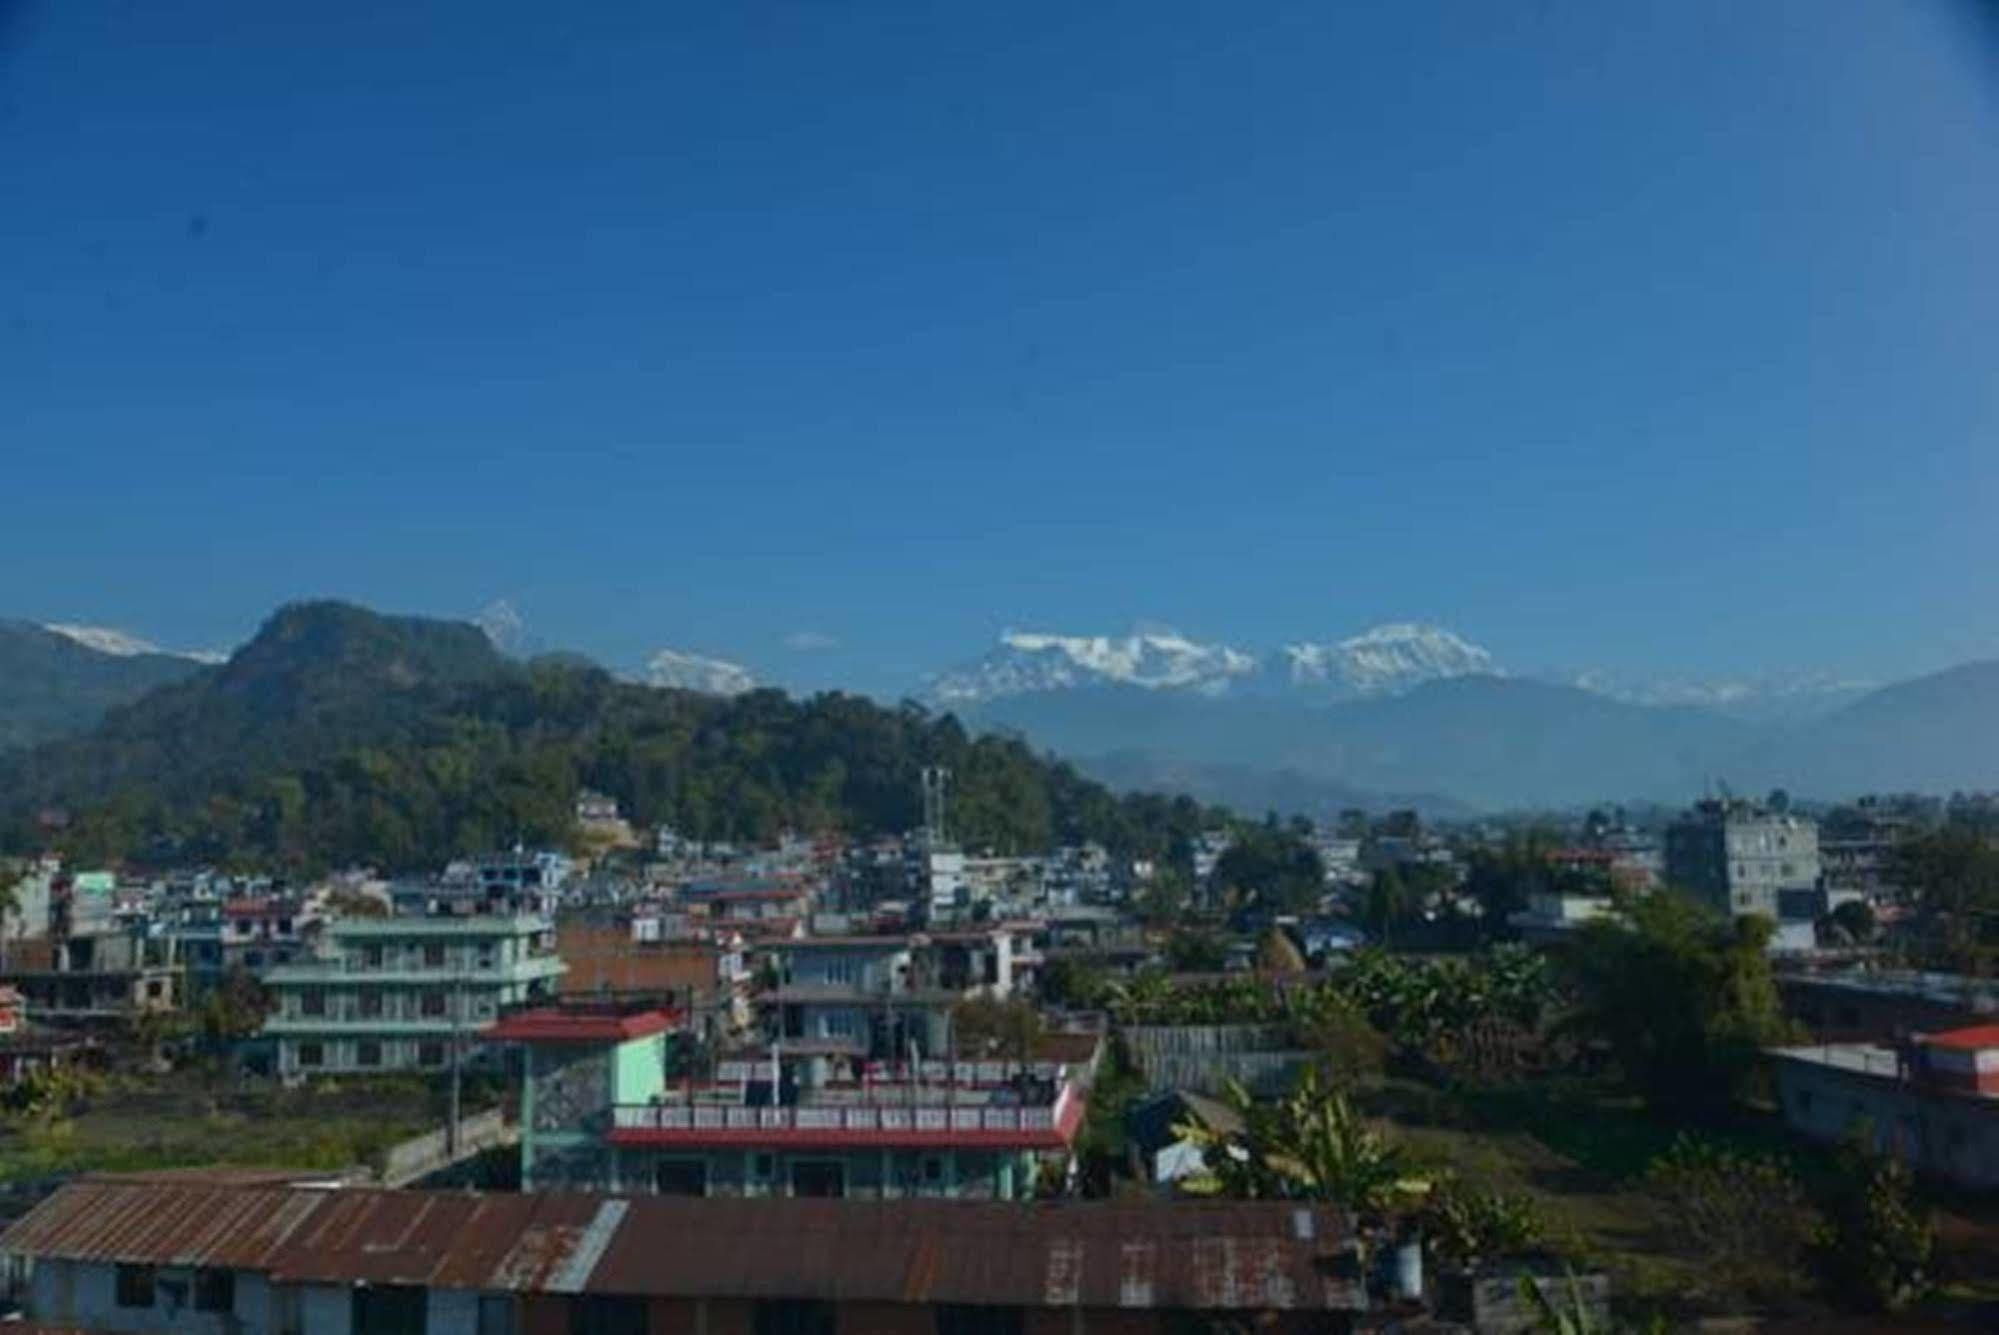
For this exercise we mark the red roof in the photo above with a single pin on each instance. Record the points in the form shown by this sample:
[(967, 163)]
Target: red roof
[(555, 1025), (1969, 1039)]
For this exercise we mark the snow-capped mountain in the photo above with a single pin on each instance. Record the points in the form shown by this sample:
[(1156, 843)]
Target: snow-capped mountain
[(1772, 698), (1025, 662), (691, 672), (1381, 661), (123, 644), (1385, 660)]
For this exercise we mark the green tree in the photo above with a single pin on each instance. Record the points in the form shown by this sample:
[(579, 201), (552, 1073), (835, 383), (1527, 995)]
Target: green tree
[(1877, 1251), (1685, 1000), (1749, 1217), (1275, 869), (1953, 875)]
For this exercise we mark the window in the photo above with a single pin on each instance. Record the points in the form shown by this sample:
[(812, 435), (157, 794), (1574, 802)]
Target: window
[(933, 1169), (371, 957), (312, 1001), (498, 1314), (367, 1054), (433, 1003), (681, 1177), (389, 1309), (818, 1179), (602, 1314), (134, 1286), (215, 1290), (433, 955), (311, 1054), (958, 1319), (794, 1316), (154, 990), (763, 1165), (430, 1054), (371, 1005)]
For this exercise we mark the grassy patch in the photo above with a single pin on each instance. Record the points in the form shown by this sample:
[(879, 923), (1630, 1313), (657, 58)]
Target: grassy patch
[(142, 1123)]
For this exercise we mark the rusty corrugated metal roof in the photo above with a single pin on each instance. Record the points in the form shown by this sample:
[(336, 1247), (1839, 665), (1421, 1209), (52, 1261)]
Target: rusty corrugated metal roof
[(1230, 1256), (1164, 1254), (167, 1223)]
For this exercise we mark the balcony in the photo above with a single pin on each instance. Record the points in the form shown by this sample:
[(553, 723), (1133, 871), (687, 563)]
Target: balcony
[(883, 1124)]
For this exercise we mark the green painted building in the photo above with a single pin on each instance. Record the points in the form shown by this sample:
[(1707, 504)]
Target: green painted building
[(399, 993)]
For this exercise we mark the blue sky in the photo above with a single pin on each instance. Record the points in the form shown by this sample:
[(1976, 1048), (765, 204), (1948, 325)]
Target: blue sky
[(1647, 336)]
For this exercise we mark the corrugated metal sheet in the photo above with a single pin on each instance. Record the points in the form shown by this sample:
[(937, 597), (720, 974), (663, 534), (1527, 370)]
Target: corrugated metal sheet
[(1170, 1254), (1231, 1256), (440, 1239), (165, 1223)]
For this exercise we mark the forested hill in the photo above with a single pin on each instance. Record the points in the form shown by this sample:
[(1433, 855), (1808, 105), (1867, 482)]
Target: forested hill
[(52, 686), (339, 735)]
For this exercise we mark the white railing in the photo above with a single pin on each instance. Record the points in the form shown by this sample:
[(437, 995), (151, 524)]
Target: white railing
[(938, 1120), (929, 1072)]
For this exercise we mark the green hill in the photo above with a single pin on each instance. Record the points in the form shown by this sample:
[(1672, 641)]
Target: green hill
[(340, 735)]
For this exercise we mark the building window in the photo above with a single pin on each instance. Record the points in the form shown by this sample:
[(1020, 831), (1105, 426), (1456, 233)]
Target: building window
[(604, 1314), (763, 1165), (433, 1004), (367, 1054), (311, 1054), (430, 1054), (371, 957), (390, 1309), (680, 1177), (433, 955), (215, 1290), (933, 1169), (371, 1005), (312, 1001), (134, 1286), (819, 1178), (498, 1314), (961, 1319), (794, 1316)]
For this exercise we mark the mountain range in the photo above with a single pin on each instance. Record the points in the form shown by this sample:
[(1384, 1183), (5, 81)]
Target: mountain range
[(1399, 715), (1418, 715), (338, 735)]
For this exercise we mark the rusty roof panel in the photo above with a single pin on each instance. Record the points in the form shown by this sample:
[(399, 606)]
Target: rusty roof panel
[(1179, 1254), (1247, 1256), (165, 1223)]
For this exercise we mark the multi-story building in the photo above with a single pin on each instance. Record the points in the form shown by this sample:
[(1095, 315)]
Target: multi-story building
[(107, 974), (248, 934), (706, 977), (882, 996), (397, 993), (599, 1112), (1742, 858)]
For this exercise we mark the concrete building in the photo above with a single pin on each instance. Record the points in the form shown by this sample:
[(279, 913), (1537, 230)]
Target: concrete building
[(599, 1113), (1932, 1102), (398, 993), (1742, 858), (884, 996), (113, 973), (246, 1258)]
